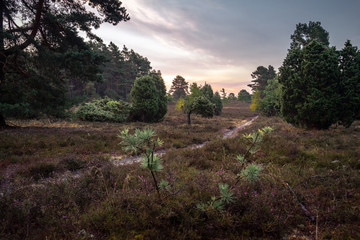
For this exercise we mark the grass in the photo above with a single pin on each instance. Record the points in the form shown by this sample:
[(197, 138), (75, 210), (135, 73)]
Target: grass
[(105, 202)]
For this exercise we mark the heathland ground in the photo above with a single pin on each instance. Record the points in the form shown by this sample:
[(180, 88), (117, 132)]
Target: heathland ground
[(58, 181)]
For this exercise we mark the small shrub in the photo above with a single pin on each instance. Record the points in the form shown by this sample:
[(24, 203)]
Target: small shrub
[(104, 110)]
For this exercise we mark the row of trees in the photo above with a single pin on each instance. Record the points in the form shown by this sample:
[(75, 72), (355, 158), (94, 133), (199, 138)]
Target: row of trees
[(119, 71), (317, 85), (180, 89), (201, 99)]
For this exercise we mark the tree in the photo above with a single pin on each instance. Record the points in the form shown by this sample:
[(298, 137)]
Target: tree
[(244, 96), (261, 77), (162, 97), (254, 106), (305, 33), (270, 105), (310, 80), (207, 92), (120, 70), (179, 87), (198, 105), (349, 84), (49, 30), (232, 96), (148, 95), (223, 94), (218, 104)]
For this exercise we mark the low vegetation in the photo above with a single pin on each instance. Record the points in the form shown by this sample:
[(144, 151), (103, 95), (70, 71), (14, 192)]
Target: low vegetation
[(58, 181)]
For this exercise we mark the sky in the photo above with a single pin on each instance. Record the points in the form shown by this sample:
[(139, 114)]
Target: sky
[(221, 42)]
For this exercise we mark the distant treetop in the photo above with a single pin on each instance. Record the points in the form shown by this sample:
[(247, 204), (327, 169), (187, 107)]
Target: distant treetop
[(305, 33)]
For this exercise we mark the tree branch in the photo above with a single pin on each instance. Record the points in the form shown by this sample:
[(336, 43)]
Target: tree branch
[(34, 31)]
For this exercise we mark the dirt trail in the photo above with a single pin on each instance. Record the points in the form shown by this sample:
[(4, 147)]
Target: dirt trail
[(6, 186), (124, 160)]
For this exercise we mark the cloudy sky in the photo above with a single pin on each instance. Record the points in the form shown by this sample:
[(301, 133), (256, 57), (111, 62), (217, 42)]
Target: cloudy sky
[(223, 41)]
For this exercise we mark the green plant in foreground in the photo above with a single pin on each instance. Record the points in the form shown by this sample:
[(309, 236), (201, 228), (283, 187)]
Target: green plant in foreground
[(143, 141), (251, 172), (217, 203)]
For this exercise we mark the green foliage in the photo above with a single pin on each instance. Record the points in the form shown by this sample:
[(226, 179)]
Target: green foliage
[(42, 54), (198, 103), (180, 104), (251, 172), (218, 203), (164, 185), (104, 110), (218, 104), (319, 84), (255, 101), (305, 33), (255, 139), (310, 80), (162, 98), (244, 96), (270, 105), (349, 84), (143, 141), (179, 87), (207, 91), (149, 102), (120, 70), (203, 107), (232, 96), (261, 77)]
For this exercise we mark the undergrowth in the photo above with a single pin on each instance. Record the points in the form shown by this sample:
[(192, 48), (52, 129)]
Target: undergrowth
[(315, 170)]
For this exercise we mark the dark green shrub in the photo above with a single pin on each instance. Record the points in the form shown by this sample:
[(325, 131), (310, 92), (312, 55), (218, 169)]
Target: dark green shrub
[(149, 102), (104, 110), (310, 82)]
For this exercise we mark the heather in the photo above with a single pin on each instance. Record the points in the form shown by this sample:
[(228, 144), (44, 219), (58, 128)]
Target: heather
[(59, 181)]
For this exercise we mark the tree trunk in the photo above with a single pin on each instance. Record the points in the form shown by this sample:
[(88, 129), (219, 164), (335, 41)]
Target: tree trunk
[(188, 118)]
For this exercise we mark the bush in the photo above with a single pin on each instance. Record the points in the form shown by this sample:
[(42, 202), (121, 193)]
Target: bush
[(104, 110), (149, 101)]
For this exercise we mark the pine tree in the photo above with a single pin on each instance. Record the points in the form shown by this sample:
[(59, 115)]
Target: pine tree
[(179, 87), (310, 80), (260, 78), (244, 96), (350, 84)]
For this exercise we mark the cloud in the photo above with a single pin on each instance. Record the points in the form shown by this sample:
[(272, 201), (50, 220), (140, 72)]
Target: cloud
[(222, 42)]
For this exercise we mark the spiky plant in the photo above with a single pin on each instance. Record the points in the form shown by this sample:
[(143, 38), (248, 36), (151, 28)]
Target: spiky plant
[(144, 142)]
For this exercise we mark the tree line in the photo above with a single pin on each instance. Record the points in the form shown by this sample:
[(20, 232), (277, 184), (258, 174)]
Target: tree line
[(46, 66), (317, 85)]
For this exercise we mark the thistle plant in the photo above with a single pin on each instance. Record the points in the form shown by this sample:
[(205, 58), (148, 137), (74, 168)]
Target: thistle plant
[(144, 142)]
